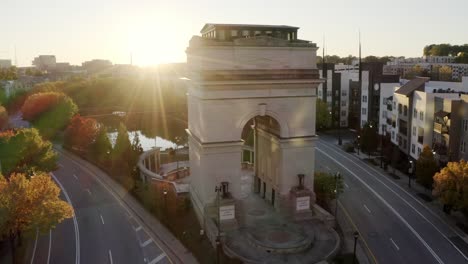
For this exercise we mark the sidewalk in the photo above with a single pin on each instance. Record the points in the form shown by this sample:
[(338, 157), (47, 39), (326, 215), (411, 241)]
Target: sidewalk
[(416, 190), (176, 251)]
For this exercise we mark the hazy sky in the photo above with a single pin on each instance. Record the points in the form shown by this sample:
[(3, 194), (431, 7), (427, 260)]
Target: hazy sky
[(158, 31)]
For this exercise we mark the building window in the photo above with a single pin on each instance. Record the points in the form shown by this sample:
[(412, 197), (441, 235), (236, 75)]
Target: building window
[(343, 123), (414, 131), (399, 108), (364, 111), (463, 146), (419, 151), (257, 33), (245, 33), (421, 115), (384, 114), (415, 113), (343, 103), (393, 135), (233, 33), (329, 93), (413, 148), (364, 98), (343, 113), (337, 93), (344, 93), (465, 125), (405, 110), (363, 123)]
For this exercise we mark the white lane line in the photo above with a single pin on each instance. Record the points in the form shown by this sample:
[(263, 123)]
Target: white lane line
[(418, 236), (147, 242), (138, 228), (74, 175), (110, 257), (406, 202), (102, 219), (60, 165), (346, 185), (393, 242), (88, 191), (367, 209), (35, 246), (50, 245), (116, 197), (75, 222), (158, 258), (328, 168)]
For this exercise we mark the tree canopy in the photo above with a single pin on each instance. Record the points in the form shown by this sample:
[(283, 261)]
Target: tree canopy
[(369, 138), (25, 151), (426, 167), (451, 185), (444, 49), (27, 204), (3, 117), (81, 133), (323, 116)]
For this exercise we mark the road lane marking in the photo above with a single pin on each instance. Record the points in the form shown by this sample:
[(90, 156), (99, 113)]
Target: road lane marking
[(393, 242), (418, 236), (60, 165), (346, 185), (35, 245), (75, 222), (138, 228), (158, 258), (147, 242), (88, 191), (110, 257), (119, 201), (74, 175), (50, 245), (405, 201), (367, 209), (102, 219), (357, 229)]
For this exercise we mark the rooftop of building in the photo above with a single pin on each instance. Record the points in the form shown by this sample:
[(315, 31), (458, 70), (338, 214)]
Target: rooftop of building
[(210, 26), (416, 84)]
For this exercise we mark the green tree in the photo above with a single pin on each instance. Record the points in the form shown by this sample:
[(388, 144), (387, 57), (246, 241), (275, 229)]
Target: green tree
[(27, 204), (369, 138), (123, 147), (426, 167), (324, 187), (445, 73), (451, 185), (3, 117), (25, 151), (323, 116), (101, 147)]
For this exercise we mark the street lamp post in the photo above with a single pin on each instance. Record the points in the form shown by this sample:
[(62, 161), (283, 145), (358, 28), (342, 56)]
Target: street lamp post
[(165, 201), (356, 236), (368, 150), (218, 190), (381, 146), (337, 177), (410, 173), (358, 144)]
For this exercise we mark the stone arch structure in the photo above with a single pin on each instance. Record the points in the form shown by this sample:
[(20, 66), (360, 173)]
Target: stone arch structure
[(227, 88)]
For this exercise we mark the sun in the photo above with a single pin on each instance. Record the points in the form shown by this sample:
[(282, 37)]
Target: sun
[(155, 45)]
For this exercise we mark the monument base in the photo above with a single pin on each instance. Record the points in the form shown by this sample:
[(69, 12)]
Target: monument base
[(301, 201)]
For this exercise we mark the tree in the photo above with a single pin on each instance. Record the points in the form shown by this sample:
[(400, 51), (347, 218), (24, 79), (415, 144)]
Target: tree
[(445, 73), (426, 167), (101, 148), (369, 138), (451, 186), (123, 147), (323, 116), (25, 151), (38, 103), (3, 117), (81, 133), (324, 187), (27, 204)]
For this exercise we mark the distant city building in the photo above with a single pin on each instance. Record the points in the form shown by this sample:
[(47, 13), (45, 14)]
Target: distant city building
[(45, 62), (402, 66), (351, 102), (96, 66), (5, 64)]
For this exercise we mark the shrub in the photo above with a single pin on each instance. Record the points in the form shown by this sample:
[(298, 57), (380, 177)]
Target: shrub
[(324, 187)]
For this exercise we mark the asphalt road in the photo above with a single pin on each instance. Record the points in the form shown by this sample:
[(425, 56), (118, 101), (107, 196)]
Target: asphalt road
[(103, 231), (396, 226)]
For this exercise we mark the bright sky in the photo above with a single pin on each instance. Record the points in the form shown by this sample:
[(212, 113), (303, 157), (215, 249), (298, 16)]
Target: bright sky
[(157, 31)]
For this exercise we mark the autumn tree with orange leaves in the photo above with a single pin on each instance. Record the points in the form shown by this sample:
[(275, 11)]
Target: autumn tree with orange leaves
[(38, 103), (81, 133), (29, 204), (3, 117), (451, 186)]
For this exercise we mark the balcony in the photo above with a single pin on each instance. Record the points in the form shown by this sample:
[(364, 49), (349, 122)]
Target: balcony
[(440, 128)]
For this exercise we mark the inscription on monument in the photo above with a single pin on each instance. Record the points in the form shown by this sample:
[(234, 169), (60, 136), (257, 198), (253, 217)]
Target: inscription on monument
[(303, 203), (227, 212)]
